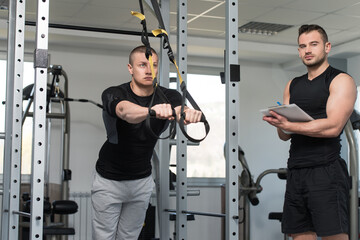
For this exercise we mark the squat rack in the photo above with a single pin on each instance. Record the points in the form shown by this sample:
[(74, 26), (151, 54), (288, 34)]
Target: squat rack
[(12, 163), (14, 94)]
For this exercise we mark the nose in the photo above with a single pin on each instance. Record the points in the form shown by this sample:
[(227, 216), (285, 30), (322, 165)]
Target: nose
[(307, 49), (148, 68)]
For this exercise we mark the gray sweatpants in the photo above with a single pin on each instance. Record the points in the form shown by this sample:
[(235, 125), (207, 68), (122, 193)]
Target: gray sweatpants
[(119, 207)]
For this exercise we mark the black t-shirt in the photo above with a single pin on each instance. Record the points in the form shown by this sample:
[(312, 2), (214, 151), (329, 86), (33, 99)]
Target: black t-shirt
[(129, 147), (312, 96)]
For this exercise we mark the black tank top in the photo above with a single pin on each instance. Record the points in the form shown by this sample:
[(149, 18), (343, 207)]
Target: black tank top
[(312, 96)]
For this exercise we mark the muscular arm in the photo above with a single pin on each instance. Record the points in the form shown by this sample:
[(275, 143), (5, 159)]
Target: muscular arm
[(339, 107), (133, 113)]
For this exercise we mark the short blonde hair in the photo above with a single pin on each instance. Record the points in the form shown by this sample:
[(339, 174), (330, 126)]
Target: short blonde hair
[(141, 49)]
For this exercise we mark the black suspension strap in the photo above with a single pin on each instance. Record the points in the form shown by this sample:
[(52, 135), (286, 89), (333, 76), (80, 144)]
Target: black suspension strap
[(186, 95), (157, 91)]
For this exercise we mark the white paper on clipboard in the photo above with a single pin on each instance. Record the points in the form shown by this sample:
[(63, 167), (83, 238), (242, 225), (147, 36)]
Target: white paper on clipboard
[(292, 112)]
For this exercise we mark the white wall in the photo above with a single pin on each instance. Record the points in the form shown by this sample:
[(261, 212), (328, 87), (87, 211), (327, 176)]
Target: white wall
[(353, 68)]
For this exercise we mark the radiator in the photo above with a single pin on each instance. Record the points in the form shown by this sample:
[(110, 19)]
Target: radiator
[(81, 221)]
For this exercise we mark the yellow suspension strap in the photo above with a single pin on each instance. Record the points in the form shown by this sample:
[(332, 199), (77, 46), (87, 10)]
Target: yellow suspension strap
[(186, 95), (157, 91)]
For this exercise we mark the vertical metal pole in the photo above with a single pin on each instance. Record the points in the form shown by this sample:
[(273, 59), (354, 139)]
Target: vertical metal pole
[(181, 141), (66, 149), (354, 174), (66, 141), (13, 125), (164, 145), (39, 121), (232, 106)]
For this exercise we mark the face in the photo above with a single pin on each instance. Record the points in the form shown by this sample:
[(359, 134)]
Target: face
[(312, 49), (140, 69)]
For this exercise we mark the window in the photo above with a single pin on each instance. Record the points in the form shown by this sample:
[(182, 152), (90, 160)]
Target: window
[(27, 127), (207, 159)]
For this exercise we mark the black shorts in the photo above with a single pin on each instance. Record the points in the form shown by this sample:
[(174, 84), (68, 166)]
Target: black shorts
[(317, 200)]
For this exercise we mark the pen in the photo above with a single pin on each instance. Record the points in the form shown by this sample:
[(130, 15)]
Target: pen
[(279, 103)]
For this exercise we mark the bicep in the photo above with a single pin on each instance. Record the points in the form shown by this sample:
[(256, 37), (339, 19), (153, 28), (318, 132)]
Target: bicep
[(341, 100), (286, 95)]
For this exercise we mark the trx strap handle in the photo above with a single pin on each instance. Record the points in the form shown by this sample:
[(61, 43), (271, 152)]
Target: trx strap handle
[(152, 114), (186, 95)]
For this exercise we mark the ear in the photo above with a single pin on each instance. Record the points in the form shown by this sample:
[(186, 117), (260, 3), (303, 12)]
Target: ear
[(327, 47), (130, 68)]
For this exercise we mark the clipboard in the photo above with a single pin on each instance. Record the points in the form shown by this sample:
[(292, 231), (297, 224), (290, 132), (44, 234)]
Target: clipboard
[(292, 112)]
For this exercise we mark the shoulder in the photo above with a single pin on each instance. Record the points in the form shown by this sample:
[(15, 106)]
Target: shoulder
[(343, 84), (339, 75), (296, 80), (335, 71), (114, 90), (343, 79), (299, 78)]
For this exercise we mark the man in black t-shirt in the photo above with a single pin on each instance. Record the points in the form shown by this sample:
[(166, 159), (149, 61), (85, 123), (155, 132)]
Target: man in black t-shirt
[(317, 187), (122, 183)]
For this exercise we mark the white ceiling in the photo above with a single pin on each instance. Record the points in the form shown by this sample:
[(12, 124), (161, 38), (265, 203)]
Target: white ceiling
[(206, 25)]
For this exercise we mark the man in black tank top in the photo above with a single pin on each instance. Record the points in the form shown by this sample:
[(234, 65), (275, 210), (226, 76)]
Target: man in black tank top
[(123, 184), (317, 188)]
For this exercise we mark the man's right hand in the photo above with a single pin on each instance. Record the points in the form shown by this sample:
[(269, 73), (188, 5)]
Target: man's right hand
[(163, 111)]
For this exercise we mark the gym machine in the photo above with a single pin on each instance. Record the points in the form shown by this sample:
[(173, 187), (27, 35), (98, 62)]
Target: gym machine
[(57, 107)]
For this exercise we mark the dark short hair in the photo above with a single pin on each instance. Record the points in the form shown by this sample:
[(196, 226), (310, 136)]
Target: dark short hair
[(313, 27), (141, 49)]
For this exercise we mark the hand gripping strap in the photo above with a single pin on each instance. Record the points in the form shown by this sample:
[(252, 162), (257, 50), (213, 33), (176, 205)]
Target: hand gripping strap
[(186, 95), (152, 114)]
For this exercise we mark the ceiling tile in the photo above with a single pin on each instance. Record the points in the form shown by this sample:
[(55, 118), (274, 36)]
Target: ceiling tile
[(337, 21), (205, 33), (319, 6), (64, 9), (199, 6), (268, 3), (246, 11), (208, 23), (288, 16), (353, 10), (341, 37)]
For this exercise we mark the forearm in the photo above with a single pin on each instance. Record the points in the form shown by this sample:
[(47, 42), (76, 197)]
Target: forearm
[(321, 128), (283, 136), (130, 112)]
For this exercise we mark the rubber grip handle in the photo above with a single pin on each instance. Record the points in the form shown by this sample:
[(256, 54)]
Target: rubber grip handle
[(152, 113)]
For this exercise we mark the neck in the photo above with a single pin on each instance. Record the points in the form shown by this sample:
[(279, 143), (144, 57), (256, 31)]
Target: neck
[(142, 91), (315, 71)]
